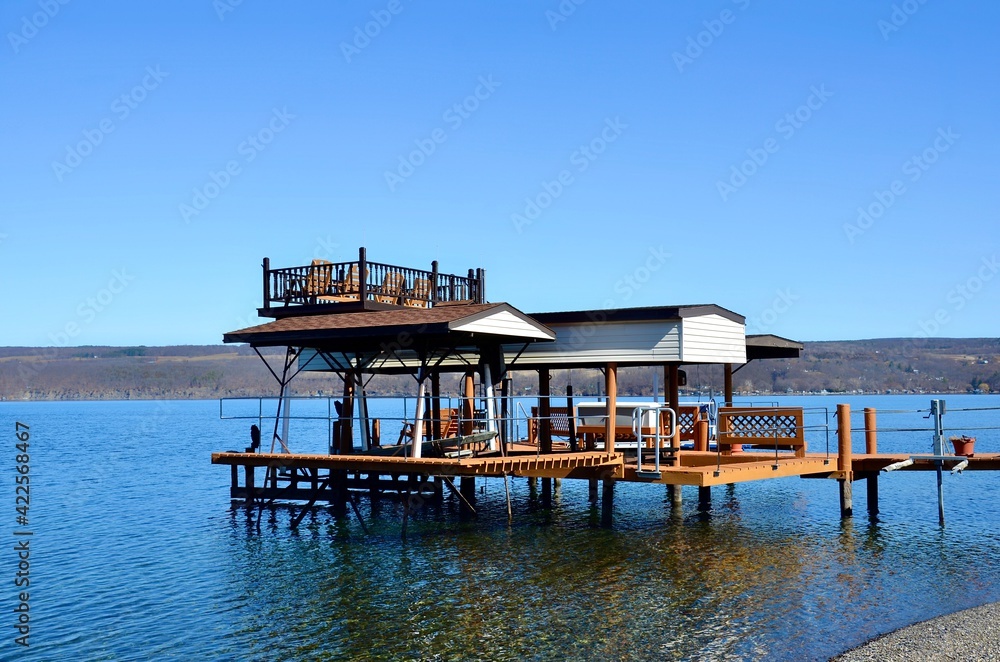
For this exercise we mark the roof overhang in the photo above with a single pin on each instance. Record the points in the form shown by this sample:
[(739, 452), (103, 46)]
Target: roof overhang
[(398, 340), (769, 346)]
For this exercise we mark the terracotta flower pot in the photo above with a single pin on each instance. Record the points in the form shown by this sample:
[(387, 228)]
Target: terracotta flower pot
[(963, 445)]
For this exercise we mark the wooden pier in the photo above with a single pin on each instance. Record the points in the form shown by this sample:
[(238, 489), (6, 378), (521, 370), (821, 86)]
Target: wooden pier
[(361, 319)]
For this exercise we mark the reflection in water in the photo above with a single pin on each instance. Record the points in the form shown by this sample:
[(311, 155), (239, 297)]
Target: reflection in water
[(653, 586)]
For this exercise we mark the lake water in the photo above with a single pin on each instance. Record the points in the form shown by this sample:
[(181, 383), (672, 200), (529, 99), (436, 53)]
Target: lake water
[(136, 553)]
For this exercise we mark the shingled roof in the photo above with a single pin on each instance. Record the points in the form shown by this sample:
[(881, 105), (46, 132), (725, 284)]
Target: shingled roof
[(447, 325)]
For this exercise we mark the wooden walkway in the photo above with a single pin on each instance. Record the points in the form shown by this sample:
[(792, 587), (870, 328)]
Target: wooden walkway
[(706, 469), (556, 465)]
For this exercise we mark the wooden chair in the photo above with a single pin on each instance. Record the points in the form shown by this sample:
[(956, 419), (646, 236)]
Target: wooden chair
[(318, 279), (346, 290), (392, 288), (420, 295)]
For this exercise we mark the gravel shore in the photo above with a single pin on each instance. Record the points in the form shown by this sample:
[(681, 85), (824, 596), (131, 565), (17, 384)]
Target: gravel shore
[(973, 634)]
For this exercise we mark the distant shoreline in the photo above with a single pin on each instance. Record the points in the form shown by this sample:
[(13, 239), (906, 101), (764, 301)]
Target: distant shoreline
[(522, 395), (202, 372)]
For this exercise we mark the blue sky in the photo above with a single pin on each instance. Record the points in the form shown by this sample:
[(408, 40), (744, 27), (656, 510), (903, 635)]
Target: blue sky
[(827, 169)]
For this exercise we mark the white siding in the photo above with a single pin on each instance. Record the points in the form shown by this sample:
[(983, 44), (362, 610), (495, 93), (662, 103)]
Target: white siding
[(610, 341), (713, 339), (502, 323)]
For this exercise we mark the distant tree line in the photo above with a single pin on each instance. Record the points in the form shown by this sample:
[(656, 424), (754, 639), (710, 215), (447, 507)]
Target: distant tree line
[(943, 365)]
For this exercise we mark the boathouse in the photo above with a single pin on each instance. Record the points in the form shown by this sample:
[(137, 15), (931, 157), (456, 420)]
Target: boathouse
[(360, 318)]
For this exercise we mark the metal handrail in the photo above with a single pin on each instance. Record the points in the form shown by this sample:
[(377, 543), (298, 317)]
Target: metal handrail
[(637, 427)]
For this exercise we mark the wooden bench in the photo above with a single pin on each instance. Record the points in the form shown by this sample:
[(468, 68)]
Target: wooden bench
[(558, 425), (762, 427)]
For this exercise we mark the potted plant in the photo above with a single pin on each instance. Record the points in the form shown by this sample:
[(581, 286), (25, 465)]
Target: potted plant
[(963, 445)]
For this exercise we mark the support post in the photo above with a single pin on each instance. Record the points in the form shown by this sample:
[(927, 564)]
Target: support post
[(674, 399), (347, 416), (436, 405), (362, 276), (571, 418), (871, 448), (362, 397), (491, 412), (608, 502), (467, 491), (434, 283), (675, 494), (704, 498), (418, 417), (727, 386), (468, 402), (505, 429), (249, 483), (872, 484), (544, 412), (937, 411), (267, 274), (844, 460), (611, 391)]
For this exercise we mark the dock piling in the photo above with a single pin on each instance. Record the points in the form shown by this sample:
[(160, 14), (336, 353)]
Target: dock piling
[(871, 448), (608, 502), (844, 460), (467, 490), (704, 498)]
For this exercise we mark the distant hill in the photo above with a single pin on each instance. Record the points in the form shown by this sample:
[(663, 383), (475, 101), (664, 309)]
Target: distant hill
[(890, 365)]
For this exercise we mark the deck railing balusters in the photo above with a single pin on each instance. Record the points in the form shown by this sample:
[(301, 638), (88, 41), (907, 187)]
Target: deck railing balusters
[(291, 285)]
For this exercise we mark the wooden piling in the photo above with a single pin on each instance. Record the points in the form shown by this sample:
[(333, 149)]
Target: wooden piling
[(872, 484), (467, 489), (844, 460), (249, 484), (608, 502), (871, 434), (675, 494), (704, 498), (871, 448)]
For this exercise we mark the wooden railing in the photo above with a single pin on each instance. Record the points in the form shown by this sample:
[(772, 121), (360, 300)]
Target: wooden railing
[(771, 427), (325, 282)]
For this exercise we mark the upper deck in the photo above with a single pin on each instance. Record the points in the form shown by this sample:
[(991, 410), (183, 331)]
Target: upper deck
[(333, 287)]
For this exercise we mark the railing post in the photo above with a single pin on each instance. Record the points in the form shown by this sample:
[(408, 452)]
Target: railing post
[(871, 435), (362, 275), (844, 459), (267, 277), (434, 282)]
